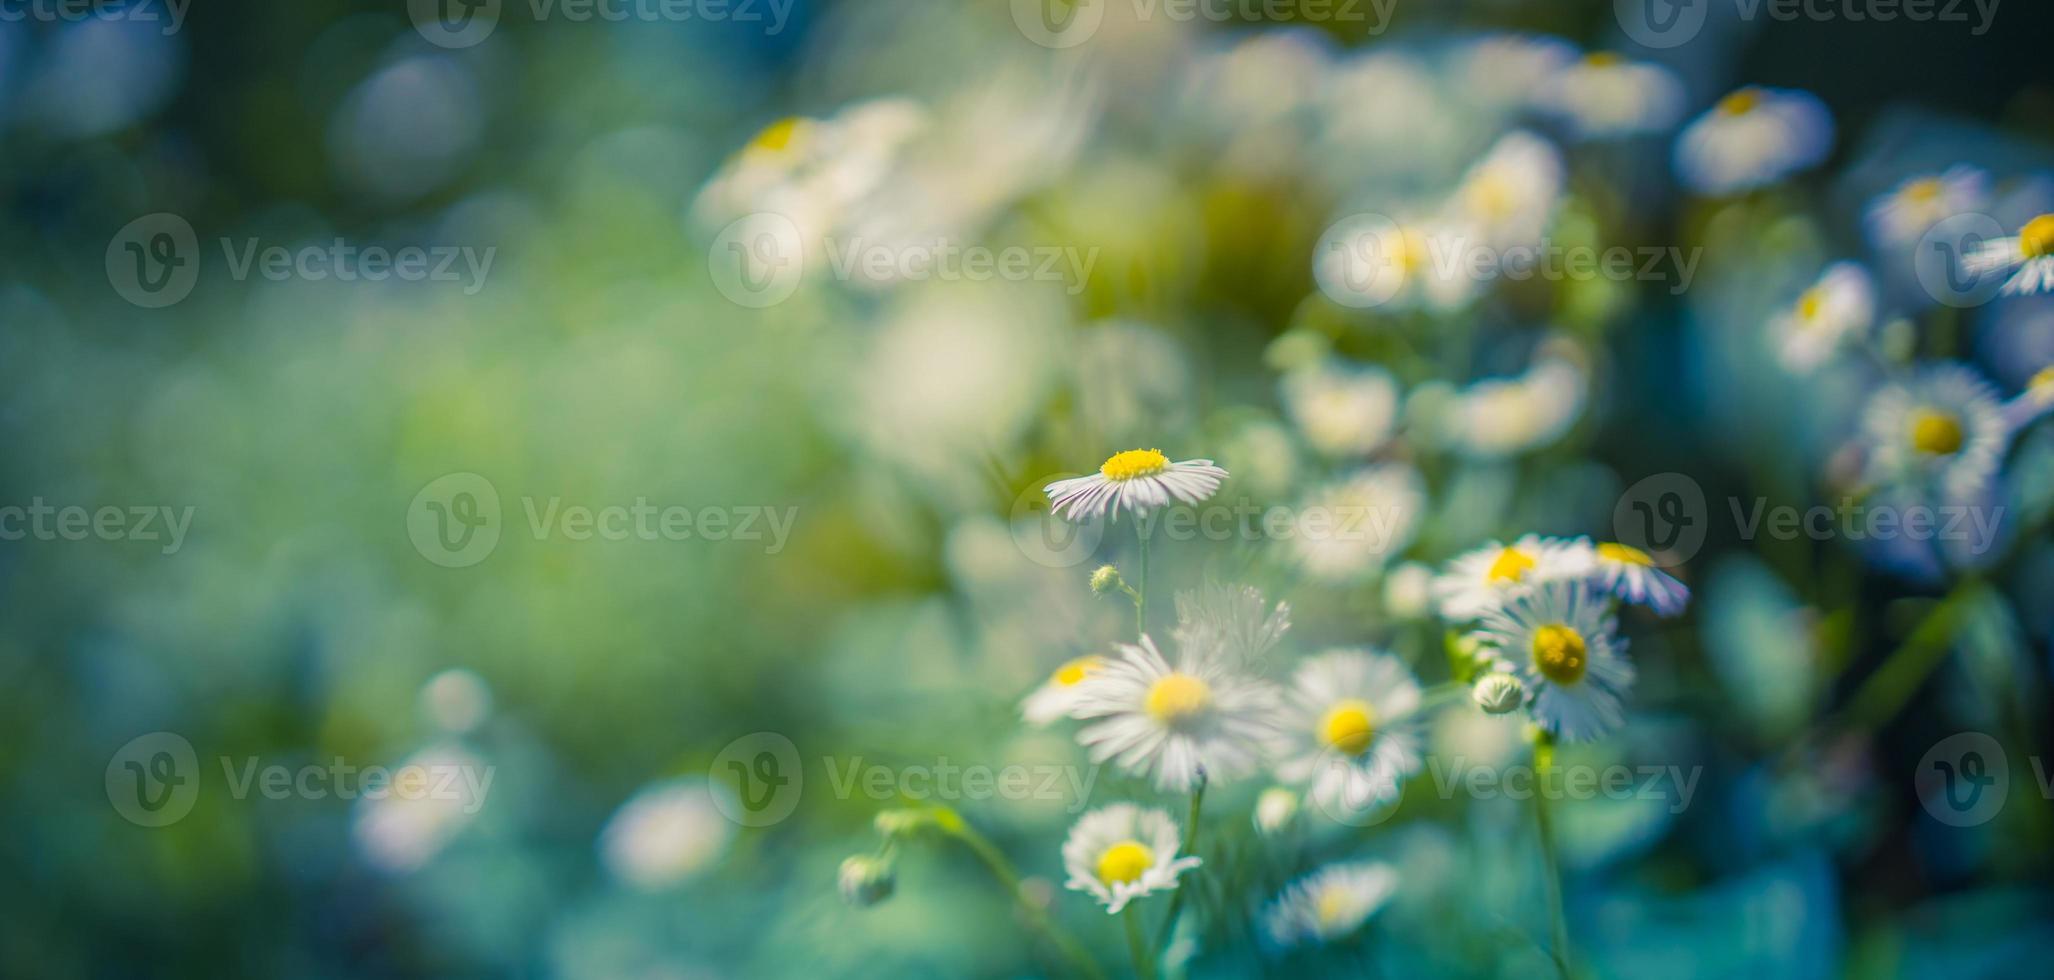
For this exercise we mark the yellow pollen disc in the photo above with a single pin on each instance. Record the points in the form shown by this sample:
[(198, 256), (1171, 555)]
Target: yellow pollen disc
[(1493, 195), (1925, 190), (1808, 304), (1073, 673), (1349, 727), (2042, 385), (2037, 237), (1124, 862), (1510, 566), (1177, 697), (1624, 554), (1935, 432), (1602, 59), (1559, 653), (1741, 103), (1331, 903), (778, 135), (1134, 463)]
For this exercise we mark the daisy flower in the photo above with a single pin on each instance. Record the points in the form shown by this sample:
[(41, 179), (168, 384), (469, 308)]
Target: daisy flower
[(1348, 729), (2031, 252), (1501, 70), (1122, 852), (1234, 625), (1631, 574), (1178, 725), (1349, 529), (1057, 695), (1562, 643), (815, 170), (1368, 260), (1328, 904), (1510, 195), (1498, 417), (1481, 580), (1753, 137), (1604, 96), (1342, 411), (2031, 403), (1138, 480), (1944, 424), (1841, 305), (1902, 216)]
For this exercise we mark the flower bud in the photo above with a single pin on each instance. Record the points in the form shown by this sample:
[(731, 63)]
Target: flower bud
[(1499, 693), (1274, 809), (1106, 579), (866, 880)]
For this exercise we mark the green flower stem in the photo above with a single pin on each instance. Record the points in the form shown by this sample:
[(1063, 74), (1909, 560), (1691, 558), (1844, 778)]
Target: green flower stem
[(1144, 962), (1543, 760), (1885, 692), (1162, 935), (1080, 960)]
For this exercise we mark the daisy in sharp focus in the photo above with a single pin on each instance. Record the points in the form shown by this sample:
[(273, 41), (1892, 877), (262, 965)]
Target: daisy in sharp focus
[(1480, 580), (1562, 642), (1138, 481), (1348, 530), (1057, 695), (1944, 427), (1327, 904), (1839, 307), (1902, 216), (1348, 729), (1604, 96), (1752, 138), (1122, 852), (2031, 252), (1631, 574), (1198, 720)]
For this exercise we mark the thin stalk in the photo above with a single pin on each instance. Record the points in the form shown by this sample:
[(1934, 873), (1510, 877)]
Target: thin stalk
[(1162, 935), (1905, 670), (1543, 759), (1037, 918), (1144, 962)]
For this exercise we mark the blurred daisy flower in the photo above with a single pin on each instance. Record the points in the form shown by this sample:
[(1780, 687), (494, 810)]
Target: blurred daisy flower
[(1752, 138), (1604, 96), (1232, 623), (1347, 530), (1902, 216), (1122, 852), (667, 833), (1368, 260), (1057, 695), (1510, 195), (2031, 252), (814, 170), (2034, 401), (1630, 574), (1562, 642), (1502, 70), (1839, 307), (1348, 729), (1137, 480), (1328, 904), (1498, 417), (1943, 427), (1342, 411), (1179, 725), (1481, 580)]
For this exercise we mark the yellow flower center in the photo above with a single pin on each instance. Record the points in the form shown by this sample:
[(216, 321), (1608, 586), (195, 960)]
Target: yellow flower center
[(1331, 904), (1073, 673), (1177, 697), (1924, 190), (777, 136), (1349, 727), (1134, 463), (1935, 432), (1559, 653), (1493, 195), (1741, 103), (1808, 305), (1124, 862), (1602, 59), (2037, 237), (1624, 554), (1511, 566), (2042, 385)]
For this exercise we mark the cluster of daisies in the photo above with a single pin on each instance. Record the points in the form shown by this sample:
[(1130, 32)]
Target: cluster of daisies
[(1344, 730)]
